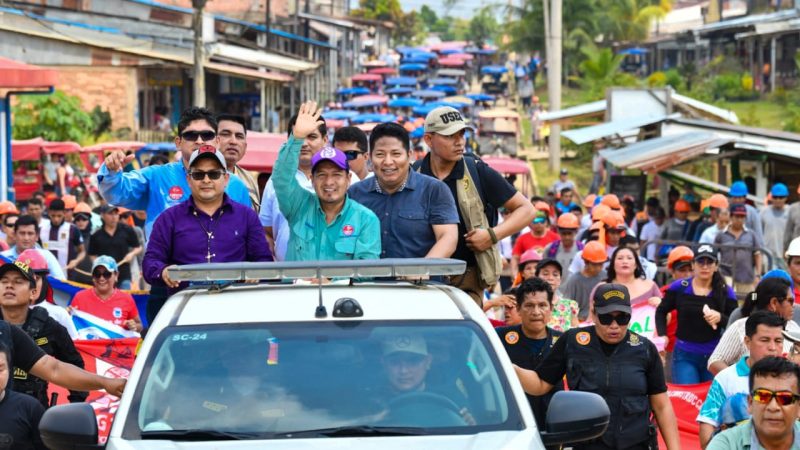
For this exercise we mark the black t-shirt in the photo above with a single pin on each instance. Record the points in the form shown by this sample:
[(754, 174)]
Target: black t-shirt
[(554, 366), (25, 352), (116, 246), (19, 422), (495, 190)]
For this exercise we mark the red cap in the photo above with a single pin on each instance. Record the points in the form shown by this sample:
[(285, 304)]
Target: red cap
[(34, 259)]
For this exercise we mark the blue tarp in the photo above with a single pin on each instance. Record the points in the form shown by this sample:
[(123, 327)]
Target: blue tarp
[(443, 81), (407, 102), (377, 118), (493, 70), (458, 106), (451, 51), (428, 93), (423, 110), (422, 54), (400, 81), (398, 91), (415, 59), (417, 133), (633, 51), (481, 97), (449, 90), (412, 67), (360, 90), (157, 147), (340, 114)]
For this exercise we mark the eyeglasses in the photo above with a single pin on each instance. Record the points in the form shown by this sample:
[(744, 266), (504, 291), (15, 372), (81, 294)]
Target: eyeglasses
[(206, 135), (99, 275), (352, 154), (764, 396), (199, 175), (779, 198), (607, 319), (76, 219), (9, 225)]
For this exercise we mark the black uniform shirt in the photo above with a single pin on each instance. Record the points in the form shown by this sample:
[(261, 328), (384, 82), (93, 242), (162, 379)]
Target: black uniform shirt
[(19, 422), (25, 352)]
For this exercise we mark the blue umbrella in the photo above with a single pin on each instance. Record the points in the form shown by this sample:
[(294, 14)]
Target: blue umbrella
[(407, 102), (451, 51), (360, 90), (481, 97), (472, 49), (157, 147), (458, 106), (422, 110), (428, 93), (398, 91), (415, 59), (493, 70), (443, 81), (633, 51), (449, 90), (403, 49), (489, 51), (379, 118), (423, 54), (400, 81), (412, 67), (417, 133), (340, 114)]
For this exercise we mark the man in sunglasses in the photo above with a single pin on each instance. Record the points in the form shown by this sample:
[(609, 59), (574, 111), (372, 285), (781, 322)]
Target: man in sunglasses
[(774, 384), (104, 300), (417, 213), (156, 188), (621, 366), (726, 402), (353, 142), (209, 227)]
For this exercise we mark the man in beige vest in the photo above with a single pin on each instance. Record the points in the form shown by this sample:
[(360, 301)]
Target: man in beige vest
[(233, 144), (479, 191)]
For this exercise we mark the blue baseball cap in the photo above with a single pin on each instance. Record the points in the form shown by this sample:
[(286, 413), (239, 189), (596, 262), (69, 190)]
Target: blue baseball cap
[(779, 190), (106, 261), (738, 189), (778, 273)]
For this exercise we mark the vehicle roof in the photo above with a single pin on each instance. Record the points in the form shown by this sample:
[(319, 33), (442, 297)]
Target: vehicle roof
[(298, 303)]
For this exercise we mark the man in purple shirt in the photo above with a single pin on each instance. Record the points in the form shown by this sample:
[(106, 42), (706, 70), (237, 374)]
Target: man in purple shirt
[(208, 227)]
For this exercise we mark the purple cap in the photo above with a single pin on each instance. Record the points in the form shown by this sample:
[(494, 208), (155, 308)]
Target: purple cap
[(331, 154)]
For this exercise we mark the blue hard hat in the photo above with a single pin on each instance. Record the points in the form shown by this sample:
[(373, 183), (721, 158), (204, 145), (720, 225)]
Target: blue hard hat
[(779, 190), (738, 189), (778, 273)]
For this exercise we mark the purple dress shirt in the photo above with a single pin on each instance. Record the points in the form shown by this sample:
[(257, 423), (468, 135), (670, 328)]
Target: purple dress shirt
[(183, 234)]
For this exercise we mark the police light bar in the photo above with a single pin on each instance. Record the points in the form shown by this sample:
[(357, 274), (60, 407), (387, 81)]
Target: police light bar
[(364, 268)]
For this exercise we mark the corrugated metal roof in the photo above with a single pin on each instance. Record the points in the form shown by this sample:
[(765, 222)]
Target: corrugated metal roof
[(575, 111), (740, 130), (746, 21), (259, 58), (594, 132), (657, 154), (724, 114)]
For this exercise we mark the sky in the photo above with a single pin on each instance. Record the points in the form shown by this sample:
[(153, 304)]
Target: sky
[(464, 9)]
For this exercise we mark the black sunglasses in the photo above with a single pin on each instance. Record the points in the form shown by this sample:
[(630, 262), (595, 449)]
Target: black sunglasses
[(206, 135), (105, 275), (352, 154), (199, 175), (76, 219), (607, 319)]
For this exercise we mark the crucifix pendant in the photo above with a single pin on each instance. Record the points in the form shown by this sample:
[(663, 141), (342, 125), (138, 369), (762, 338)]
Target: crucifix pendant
[(209, 255)]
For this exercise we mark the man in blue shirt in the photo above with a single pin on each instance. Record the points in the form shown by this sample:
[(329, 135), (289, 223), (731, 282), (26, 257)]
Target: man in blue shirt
[(324, 224), (565, 203), (417, 212), (156, 188)]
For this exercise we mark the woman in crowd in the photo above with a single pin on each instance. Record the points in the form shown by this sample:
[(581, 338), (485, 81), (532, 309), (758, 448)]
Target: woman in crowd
[(703, 303), (626, 269), (771, 294), (565, 311)]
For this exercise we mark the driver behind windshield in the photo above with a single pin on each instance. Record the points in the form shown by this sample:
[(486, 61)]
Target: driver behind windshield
[(406, 363)]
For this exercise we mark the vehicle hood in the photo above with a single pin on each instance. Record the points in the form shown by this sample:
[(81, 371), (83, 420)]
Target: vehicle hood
[(499, 440)]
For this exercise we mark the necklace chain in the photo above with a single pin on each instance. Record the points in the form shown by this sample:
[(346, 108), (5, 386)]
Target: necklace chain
[(209, 233)]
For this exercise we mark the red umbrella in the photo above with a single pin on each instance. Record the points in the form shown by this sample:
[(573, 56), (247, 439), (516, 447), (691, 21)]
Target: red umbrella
[(367, 77), (383, 71), (452, 62)]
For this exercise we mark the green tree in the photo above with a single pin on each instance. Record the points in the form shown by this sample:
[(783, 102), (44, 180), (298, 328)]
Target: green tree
[(600, 70), (428, 16), (408, 27), (483, 27), (630, 20), (55, 117)]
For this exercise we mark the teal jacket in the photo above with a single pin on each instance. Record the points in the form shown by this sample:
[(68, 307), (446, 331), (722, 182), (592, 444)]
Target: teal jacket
[(742, 437), (355, 234)]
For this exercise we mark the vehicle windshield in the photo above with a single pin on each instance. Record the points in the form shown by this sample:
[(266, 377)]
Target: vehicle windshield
[(273, 380)]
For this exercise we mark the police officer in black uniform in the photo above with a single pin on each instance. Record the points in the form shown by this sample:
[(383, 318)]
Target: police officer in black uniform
[(49, 335), (619, 365), (530, 342)]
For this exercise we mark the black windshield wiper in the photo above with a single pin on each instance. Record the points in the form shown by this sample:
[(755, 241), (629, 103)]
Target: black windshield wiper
[(198, 435), (348, 431)]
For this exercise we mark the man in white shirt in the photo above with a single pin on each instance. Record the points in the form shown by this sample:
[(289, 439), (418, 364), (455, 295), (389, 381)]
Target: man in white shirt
[(651, 231), (353, 142), (710, 233)]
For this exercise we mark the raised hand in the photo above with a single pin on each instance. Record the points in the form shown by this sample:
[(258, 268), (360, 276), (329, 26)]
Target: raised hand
[(307, 120), (117, 159)]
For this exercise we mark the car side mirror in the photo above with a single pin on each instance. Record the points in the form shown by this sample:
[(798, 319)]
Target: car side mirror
[(575, 416), (70, 427)]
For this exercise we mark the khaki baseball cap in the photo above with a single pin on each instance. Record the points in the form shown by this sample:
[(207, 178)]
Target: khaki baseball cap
[(445, 120)]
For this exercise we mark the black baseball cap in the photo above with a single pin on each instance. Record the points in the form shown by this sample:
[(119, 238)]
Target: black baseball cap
[(549, 262), (104, 209), (706, 252), (20, 267), (612, 297), (738, 209)]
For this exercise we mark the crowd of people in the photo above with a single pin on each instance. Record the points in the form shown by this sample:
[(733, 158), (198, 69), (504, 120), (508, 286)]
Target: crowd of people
[(559, 275)]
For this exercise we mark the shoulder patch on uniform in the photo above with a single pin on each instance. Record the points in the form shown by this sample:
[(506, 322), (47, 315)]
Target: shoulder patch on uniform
[(634, 340), (555, 338), (42, 341), (512, 337), (583, 338)]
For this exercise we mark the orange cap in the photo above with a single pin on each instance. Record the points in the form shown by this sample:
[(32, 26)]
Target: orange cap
[(682, 206), (82, 207), (530, 255), (69, 201), (718, 201), (612, 201), (122, 210), (567, 221), (679, 253), (613, 219), (599, 211), (588, 201), (8, 207), (542, 206), (594, 252)]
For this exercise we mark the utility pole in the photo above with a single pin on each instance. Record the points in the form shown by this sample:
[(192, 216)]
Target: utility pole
[(554, 81), (268, 22), (199, 54)]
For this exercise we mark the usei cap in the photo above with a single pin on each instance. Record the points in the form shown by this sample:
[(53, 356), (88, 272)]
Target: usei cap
[(445, 120), (612, 297)]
